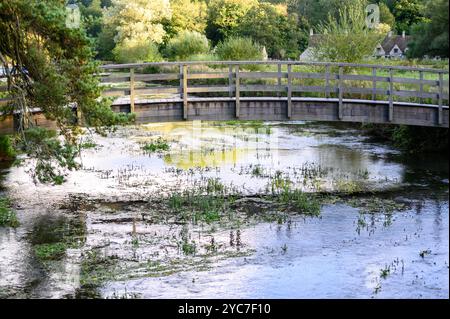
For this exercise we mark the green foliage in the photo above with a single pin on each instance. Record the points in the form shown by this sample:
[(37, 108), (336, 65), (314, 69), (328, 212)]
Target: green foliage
[(301, 202), (53, 251), (407, 13), (54, 69), (386, 15), (190, 15), (8, 217), (239, 49), (224, 16), (431, 37), (52, 155), (347, 39), (271, 27), (156, 146), (136, 52), (7, 151), (187, 44)]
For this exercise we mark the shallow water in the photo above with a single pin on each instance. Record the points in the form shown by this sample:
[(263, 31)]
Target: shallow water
[(106, 211)]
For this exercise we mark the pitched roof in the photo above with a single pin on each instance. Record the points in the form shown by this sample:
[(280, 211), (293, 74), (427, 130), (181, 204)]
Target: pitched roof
[(390, 41)]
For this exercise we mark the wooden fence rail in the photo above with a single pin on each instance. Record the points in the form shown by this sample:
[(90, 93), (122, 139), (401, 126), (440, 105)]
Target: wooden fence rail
[(281, 79)]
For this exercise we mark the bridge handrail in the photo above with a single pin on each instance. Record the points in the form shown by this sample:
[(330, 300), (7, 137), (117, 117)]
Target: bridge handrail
[(335, 75), (271, 62)]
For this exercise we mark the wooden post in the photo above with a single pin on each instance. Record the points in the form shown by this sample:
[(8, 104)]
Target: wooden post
[(421, 87), (289, 93), (341, 93), (391, 95), (279, 79), (441, 98), (327, 81), (132, 92), (238, 93), (230, 80), (374, 84), (185, 92)]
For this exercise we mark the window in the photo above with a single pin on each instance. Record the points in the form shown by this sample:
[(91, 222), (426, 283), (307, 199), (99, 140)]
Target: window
[(395, 50)]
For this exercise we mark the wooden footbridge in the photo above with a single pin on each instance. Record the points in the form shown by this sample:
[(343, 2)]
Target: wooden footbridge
[(278, 91)]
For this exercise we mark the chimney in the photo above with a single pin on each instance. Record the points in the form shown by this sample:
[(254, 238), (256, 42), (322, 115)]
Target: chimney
[(403, 34), (311, 32), (390, 34)]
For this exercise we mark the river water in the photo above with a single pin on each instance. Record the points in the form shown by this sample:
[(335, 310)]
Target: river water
[(388, 241)]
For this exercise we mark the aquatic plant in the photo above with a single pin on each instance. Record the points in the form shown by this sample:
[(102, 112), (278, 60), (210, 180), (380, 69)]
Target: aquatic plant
[(8, 217), (156, 146), (53, 251)]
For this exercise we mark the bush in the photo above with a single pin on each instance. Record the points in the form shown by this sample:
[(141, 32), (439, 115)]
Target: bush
[(7, 151), (186, 44), (136, 52), (239, 49)]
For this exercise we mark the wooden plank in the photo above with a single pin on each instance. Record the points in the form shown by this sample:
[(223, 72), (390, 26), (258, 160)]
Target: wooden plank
[(132, 92), (262, 75), (327, 81), (289, 92), (207, 76), (421, 86), (261, 88), (374, 84), (238, 92), (115, 92), (156, 77), (341, 93), (313, 89), (185, 92), (115, 79), (158, 90), (279, 79), (319, 76), (208, 89), (230, 80), (416, 81), (391, 95), (406, 93)]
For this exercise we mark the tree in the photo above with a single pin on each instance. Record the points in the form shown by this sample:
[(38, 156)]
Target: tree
[(187, 15), (137, 22), (386, 16), (407, 13), (431, 37), (224, 16), (49, 66), (273, 28), (317, 12), (346, 38)]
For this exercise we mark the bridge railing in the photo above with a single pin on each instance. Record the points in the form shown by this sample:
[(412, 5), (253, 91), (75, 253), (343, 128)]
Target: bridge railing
[(278, 79), (287, 80)]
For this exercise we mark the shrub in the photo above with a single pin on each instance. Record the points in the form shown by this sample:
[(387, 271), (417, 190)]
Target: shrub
[(135, 52), (7, 151), (186, 44), (239, 49)]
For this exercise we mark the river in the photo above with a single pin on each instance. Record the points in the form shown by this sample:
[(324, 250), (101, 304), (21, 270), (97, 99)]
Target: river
[(206, 218)]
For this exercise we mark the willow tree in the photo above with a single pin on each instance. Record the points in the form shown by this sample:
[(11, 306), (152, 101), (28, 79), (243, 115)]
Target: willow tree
[(48, 65)]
